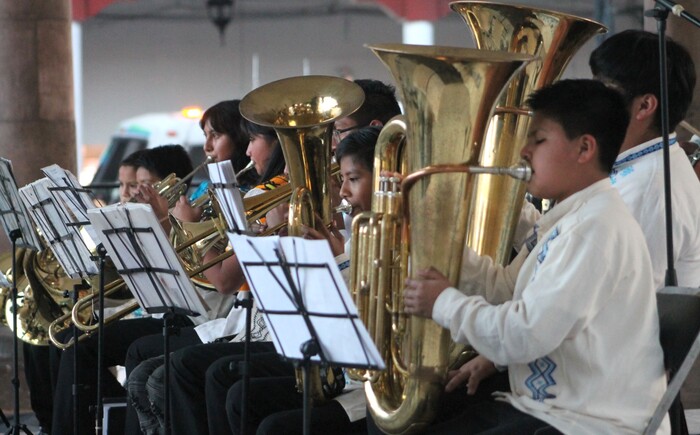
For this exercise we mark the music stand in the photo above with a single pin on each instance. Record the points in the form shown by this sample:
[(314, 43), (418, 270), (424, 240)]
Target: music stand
[(143, 256), (224, 183), (18, 228), (306, 304), (76, 200), (69, 244)]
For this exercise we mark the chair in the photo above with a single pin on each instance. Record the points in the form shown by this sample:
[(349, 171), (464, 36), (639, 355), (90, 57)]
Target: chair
[(679, 321)]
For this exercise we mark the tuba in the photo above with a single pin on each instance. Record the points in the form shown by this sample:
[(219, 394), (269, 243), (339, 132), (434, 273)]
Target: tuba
[(448, 98), (552, 37), (302, 111)]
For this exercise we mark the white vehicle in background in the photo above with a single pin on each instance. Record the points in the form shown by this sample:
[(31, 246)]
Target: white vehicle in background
[(148, 131)]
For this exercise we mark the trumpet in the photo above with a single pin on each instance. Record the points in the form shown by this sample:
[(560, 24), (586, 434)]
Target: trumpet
[(172, 188)]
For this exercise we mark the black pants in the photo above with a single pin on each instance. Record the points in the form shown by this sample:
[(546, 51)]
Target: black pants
[(146, 348), (118, 336), (275, 407), (189, 369), (37, 370)]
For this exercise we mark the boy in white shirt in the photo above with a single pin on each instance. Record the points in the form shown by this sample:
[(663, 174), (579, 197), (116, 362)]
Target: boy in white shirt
[(577, 304)]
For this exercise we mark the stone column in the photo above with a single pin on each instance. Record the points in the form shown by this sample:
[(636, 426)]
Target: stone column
[(687, 35), (37, 124)]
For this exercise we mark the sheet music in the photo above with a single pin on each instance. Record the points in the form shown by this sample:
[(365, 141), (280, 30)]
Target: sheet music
[(342, 335), (12, 212), (223, 178), (143, 256), (66, 242), (76, 199)]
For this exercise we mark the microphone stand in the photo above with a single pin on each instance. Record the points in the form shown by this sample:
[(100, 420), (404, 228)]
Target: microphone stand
[(17, 427), (660, 13)]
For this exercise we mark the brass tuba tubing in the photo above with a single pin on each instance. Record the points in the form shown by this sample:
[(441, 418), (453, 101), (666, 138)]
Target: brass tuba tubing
[(521, 171)]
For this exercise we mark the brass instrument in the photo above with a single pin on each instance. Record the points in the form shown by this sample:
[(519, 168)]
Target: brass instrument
[(448, 98), (552, 37), (40, 296), (172, 188), (11, 275), (403, 399), (302, 111), (192, 240)]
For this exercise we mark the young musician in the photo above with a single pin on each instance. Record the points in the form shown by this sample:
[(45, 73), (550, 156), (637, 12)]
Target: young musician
[(190, 370), (274, 404), (561, 333), (118, 336), (144, 359), (629, 62)]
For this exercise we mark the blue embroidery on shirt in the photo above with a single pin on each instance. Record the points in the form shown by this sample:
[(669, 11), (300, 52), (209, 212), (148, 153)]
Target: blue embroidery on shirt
[(531, 240), (344, 265), (541, 378), (625, 172), (648, 150), (545, 248)]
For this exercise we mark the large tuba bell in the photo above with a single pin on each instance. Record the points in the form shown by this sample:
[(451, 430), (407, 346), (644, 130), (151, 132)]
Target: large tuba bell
[(553, 37), (448, 98), (302, 111)]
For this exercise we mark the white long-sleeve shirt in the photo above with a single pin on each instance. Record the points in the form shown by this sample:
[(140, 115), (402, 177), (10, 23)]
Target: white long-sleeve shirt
[(638, 175), (579, 328)]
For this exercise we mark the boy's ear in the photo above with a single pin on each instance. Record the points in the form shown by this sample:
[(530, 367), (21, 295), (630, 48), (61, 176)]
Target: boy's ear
[(587, 148), (644, 107)]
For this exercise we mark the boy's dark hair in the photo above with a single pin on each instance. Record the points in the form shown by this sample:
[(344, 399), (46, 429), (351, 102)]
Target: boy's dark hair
[(166, 159), (586, 107), (132, 159), (380, 103), (359, 146), (225, 117), (629, 61)]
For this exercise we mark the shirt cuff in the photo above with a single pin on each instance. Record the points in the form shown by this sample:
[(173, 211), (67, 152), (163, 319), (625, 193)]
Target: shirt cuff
[(442, 308)]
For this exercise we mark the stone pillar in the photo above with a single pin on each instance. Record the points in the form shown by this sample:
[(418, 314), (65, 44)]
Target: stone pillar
[(687, 35), (37, 124)]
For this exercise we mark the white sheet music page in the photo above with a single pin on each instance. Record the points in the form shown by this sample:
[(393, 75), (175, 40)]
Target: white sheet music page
[(76, 199), (13, 213), (313, 271), (137, 245), (229, 196), (65, 242)]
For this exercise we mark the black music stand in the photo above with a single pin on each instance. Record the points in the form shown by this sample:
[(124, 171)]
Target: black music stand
[(150, 267), (76, 201), (307, 307), (49, 206), (225, 185), (17, 226)]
